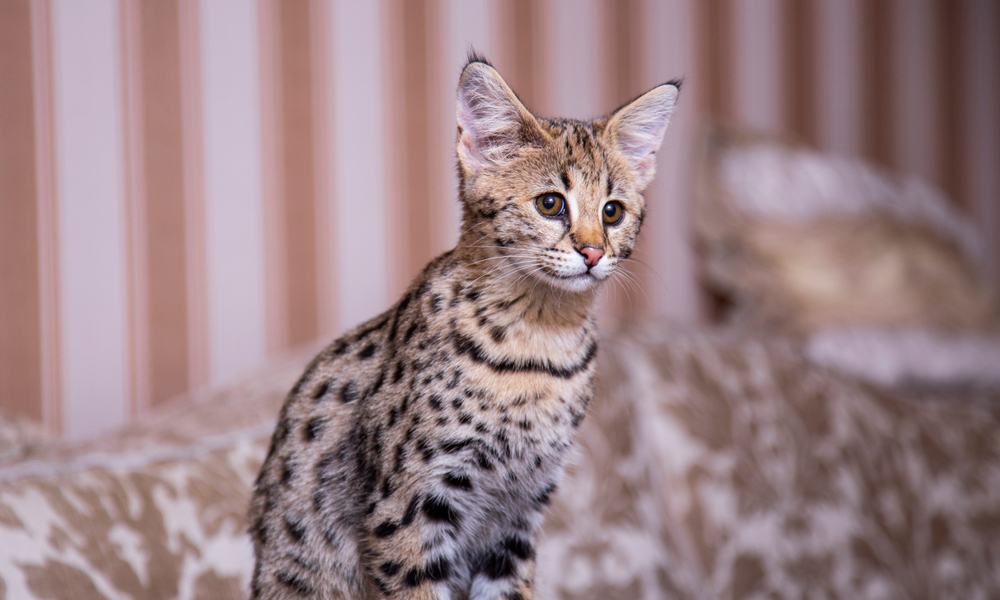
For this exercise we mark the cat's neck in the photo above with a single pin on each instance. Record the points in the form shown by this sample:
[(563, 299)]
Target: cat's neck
[(534, 301)]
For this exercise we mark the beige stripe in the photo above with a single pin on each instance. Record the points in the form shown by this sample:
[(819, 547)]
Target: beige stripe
[(715, 58), (137, 330), (166, 235), (412, 30), (951, 74), (520, 48), (800, 82), (298, 163), (48, 229), (623, 63), (878, 30), (271, 176), (20, 329), (194, 197)]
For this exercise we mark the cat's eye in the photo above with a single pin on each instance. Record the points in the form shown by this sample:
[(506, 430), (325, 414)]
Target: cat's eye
[(613, 212), (551, 205)]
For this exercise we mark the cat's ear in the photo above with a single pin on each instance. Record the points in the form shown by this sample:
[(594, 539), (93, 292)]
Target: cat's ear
[(637, 128), (493, 125)]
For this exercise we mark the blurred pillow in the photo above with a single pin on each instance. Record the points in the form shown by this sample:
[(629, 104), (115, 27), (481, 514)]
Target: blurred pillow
[(909, 357), (795, 240), (18, 437)]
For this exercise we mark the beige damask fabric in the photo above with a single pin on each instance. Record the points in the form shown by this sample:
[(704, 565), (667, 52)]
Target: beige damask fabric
[(709, 467)]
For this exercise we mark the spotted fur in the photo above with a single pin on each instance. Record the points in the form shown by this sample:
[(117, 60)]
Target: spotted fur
[(416, 455)]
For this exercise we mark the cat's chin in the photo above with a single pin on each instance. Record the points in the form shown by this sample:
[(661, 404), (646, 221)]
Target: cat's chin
[(573, 283)]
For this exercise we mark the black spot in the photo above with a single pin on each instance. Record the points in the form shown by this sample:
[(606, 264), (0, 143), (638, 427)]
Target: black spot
[(411, 510), (611, 186), (453, 446), (390, 568), (465, 418), (497, 564), (525, 424), (483, 462), (545, 496), (397, 375), (368, 351), (435, 402), (294, 583), (296, 530), (382, 586), (473, 295), (414, 577), (519, 547), (260, 531), (440, 511), (438, 569), (425, 449), (412, 329), (287, 472), (499, 334), (374, 389), (457, 403), (386, 528), (348, 393), (313, 428), (458, 481), (513, 596), (488, 213), (437, 303), (564, 176), (321, 390)]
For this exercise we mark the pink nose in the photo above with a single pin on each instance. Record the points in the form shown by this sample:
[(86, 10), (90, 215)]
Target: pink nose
[(591, 255)]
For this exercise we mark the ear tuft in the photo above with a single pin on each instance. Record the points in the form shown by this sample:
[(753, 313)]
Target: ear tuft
[(493, 125), (637, 129), (473, 56)]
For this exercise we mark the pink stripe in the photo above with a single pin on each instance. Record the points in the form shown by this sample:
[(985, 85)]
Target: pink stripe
[(137, 370), (271, 141), (48, 251), (194, 196), (326, 277)]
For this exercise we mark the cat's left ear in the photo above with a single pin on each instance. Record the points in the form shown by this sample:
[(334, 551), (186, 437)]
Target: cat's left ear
[(637, 128)]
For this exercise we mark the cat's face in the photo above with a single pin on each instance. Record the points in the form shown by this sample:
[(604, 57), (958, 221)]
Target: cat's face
[(556, 200)]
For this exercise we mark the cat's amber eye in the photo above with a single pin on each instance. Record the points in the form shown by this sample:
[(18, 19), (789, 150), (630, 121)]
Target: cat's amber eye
[(613, 212), (551, 205)]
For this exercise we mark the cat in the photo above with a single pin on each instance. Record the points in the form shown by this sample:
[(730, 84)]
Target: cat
[(416, 455)]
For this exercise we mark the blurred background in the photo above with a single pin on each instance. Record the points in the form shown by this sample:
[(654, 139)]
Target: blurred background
[(190, 188)]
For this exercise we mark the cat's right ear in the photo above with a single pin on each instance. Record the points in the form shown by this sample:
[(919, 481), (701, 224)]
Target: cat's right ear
[(493, 124)]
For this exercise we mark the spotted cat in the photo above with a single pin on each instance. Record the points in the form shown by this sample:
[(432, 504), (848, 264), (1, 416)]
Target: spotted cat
[(416, 455)]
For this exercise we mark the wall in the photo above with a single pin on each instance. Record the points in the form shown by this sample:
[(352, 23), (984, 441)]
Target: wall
[(189, 187)]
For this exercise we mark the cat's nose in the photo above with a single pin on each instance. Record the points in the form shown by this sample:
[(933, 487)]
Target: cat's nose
[(591, 255)]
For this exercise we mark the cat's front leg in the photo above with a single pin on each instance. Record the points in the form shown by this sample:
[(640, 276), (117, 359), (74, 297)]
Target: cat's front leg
[(506, 571), (410, 547)]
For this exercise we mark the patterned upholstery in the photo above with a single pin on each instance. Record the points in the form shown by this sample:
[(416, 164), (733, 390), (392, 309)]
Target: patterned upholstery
[(708, 467)]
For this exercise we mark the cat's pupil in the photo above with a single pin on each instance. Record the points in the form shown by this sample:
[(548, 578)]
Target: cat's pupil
[(610, 209), (549, 202)]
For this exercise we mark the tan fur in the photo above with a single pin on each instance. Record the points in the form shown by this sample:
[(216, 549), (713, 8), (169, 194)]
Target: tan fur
[(416, 454)]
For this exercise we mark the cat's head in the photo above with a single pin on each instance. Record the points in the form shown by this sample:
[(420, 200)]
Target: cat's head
[(558, 200)]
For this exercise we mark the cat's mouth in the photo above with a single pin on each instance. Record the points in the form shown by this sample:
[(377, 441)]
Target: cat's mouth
[(576, 282)]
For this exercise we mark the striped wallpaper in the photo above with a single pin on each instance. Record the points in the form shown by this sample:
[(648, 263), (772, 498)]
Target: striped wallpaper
[(189, 187)]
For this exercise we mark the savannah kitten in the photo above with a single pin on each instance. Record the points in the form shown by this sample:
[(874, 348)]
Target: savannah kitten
[(415, 456)]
